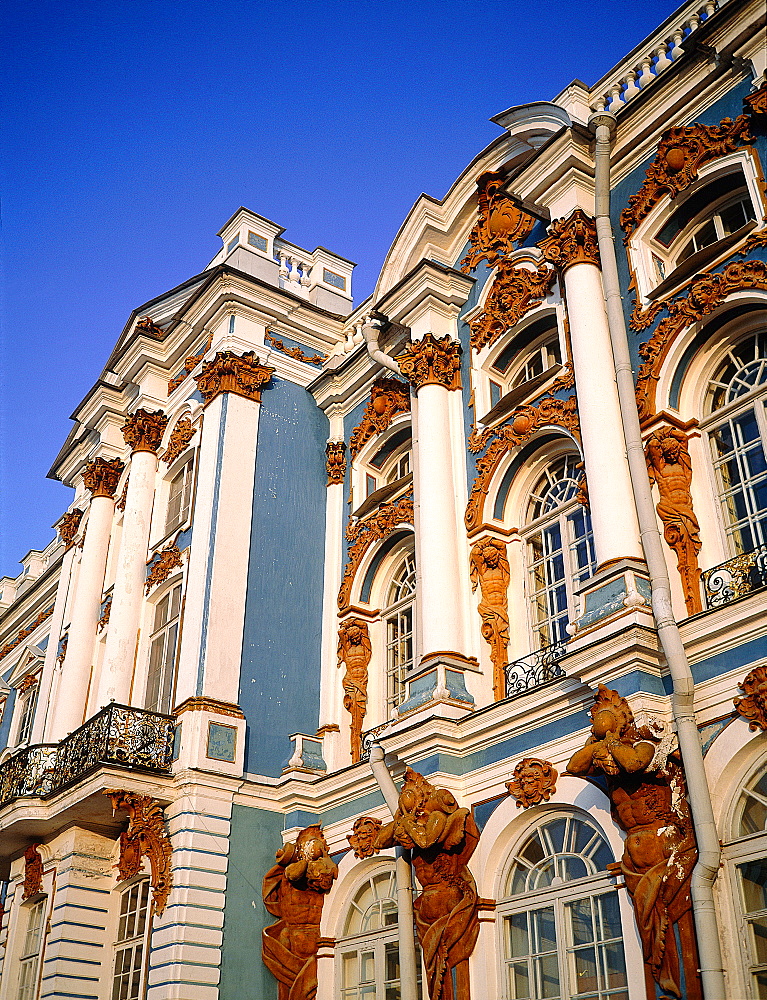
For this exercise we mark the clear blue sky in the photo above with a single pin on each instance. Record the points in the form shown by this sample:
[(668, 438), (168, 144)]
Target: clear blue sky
[(133, 130)]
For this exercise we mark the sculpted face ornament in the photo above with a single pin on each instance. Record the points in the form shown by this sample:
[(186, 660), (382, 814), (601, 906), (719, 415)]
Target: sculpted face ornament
[(754, 706), (534, 781), (362, 839)]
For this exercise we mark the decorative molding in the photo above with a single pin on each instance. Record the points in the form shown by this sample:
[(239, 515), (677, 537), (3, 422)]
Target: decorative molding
[(120, 504), (514, 292), (362, 839), (354, 652), (500, 223), (564, 381), (432, 361), (295, 352), (755, 241), (489, 569), (147, 325), (670, 469), (101, 477), (682, 151), (33, 872), (706, 292), (203, 704), (243, 375), (388, 398), (534, 782), (144, 429), (754, 706), (69, 525), (335, 462), (180, 437), (106, 611), (362, 534), (145, 837), (161, 565), (572, 241), (21, 636), (519, 428)]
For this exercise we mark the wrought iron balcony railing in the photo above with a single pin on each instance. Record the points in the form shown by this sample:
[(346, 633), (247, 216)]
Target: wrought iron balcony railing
[(737, 577), (531, 671), (117, 736)]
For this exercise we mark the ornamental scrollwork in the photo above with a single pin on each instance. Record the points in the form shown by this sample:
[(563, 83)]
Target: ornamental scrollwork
[(147, 325), (294, 352), (354, 652), (69, 526), (335, 462), (432, 361), (756, 103), (21, 636), (106, 612), (682, 151), (572, 241), (144, 429), (754, 705), (534, 782), (514, 292), (500, 224), (242, 375), (162, 565), (145, 837), (362, 839), (489, 570), (189, 366), (33, 872), (388, 398), (101, 476), (362, 534), (180, 437)]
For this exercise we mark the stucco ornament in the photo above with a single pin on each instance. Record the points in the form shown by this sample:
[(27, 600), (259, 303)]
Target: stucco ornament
[(180, 437), (534, 781), (354, 651), (144, 429), (432, 361), (241, 374), (101, 476), (443, 838), (33, 872), (572, 241), (294, 352), (145, 838), (69, 526), (489, 569), (162, 565), (147, 325), (649, 802), (362, 839), (362, 534), (500, 225), (388, 398), (294, 890), (514, 292), (335, 463), (754, 706), (670, 469)]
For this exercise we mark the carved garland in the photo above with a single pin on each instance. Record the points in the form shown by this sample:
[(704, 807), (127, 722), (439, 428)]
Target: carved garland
[(180, 437), (243, 375), (754, 706), (21, 636), (500, 224), (162, 565), (388, 398), (335, 462), (534, 782), (514, 292), (145, 838), (295, 352), (432, 361), (363, 534), (68, 526)]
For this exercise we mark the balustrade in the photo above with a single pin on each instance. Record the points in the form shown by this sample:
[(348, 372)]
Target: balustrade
[(737, 577), (534, 670)]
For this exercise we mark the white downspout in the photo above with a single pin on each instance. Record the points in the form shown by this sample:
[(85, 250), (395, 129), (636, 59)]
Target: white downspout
[(407, 955), (370, 330), (709, 851)]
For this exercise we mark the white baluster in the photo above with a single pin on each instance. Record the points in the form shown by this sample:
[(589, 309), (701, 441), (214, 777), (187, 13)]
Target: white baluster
[(646, 76), (676, 50), (616, 103), (358, 334), (284, 271), (694, 21), (663, 59), (631, 88), (306, 270), (599, 105)]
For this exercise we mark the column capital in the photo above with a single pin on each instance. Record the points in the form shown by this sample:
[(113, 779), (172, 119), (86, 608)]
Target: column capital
[(430, 361), (68, 526), (143, 430), (101, 476), (243, 375), (572, 241)]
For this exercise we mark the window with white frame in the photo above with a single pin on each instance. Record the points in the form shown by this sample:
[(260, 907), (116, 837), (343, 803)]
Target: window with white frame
[(391, 462), (27, 705), (559, 550), (399, 623), (162, 652), (130, 941), (736, 422), (525, 357), (559, 917), (179, 497), (368, 952), (29, 957)]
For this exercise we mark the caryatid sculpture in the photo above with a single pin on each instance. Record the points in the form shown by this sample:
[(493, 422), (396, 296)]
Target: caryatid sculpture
[(442, 837), (294, 891), (354, 650), (489, 568), (648, 796)]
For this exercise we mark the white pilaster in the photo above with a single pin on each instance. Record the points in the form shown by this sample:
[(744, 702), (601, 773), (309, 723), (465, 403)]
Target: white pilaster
[(41, 732)]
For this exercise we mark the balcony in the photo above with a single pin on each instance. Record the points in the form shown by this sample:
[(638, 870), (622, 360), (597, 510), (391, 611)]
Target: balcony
[(534, 670), (738, 577), (117, 736)]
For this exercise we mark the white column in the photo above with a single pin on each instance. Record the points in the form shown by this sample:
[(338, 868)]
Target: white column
[(143, 431), (101, 478)]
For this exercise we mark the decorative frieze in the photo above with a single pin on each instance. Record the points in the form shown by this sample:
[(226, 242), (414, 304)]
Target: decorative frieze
[(388, 398), (69, 525), (489, 569), (145, 837), (162, 565), (500, 224), (335, 462), (294, 352), (102, 476), (514, 292), (33, 872), (243, 375), (572, 241), (144, 429), (534, 782), (362, 839), (432, 361), (754, 705), (362, 534), (354, 652), (180, 437)]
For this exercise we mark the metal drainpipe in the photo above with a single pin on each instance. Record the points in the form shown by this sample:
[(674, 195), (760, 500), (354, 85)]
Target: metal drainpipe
[(370, 330), (709, 850), (407, 955)]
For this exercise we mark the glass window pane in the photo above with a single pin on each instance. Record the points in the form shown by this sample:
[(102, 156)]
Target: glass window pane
[(753, 876)]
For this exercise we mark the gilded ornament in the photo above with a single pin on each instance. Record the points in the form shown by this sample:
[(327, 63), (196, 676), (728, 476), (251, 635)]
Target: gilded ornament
[(243, 375), (362, 839), (572, 241), (101, 477), (335, 462), (489, 569), (388, 398), (294, 352), (514, 292), (69, 525), (682, 151), (432, 361), (754, 706), (21, 636), (62, 650), (106, 611), (120, 504), (756, 103), (180, 437), (189, 366), (162, 565), (534, 782), (145, 837), (355, 651), (500, 224), (294, 890), (362, 534), (33, 872), (143, 430), (147, 325)]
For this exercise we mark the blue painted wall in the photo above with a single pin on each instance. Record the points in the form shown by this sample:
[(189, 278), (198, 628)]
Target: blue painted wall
[(280, 676), (5, 725)]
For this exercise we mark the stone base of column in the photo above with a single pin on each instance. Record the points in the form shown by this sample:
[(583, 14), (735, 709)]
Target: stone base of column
[(439, 679), (618, 590), (307, 756)]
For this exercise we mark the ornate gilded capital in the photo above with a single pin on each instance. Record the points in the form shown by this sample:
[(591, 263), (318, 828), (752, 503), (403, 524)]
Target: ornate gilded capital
[(534, 781), (145, 837), (754, 706), (68, 526), (335, 464), (180, 437), (143, 430), (388, 398), (101, 476), (432, 361), (242, 374), (572, 241)]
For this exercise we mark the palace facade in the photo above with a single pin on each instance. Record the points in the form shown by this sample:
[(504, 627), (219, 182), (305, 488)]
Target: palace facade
[(504, 524)]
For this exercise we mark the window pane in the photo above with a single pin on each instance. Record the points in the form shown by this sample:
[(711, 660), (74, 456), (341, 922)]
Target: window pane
[(753, 876)]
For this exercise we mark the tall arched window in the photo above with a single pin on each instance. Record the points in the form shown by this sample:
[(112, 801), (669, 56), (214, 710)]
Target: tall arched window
[(399, 623), (560, 550), (559, 916)]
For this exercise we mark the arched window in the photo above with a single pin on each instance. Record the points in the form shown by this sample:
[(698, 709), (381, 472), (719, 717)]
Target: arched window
[(399, 625), (559, 917), (179, 497), (524, 359), (130, 941), (559, 550)]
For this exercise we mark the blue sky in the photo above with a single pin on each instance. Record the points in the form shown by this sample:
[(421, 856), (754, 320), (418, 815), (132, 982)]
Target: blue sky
[(134, 130)]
